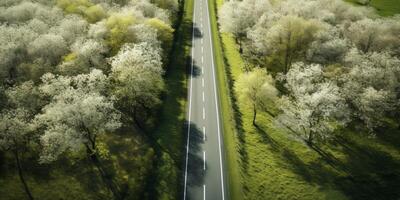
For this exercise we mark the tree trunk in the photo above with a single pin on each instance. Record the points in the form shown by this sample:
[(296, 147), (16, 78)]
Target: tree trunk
[(240, 46), (288, 52), (21, 176), (310, 138), (254, 114), (137, 121), (104, 176), (369, 43)]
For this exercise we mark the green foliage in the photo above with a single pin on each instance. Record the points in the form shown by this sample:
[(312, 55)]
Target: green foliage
[(118, 24), (287, 39), (103, 151), (256, 87), (32, 71), (164, 32), (25, 96), (3, 98), (140, 174), (171, 5), (95, 13), (73, 6), (69, 57), (167, 175), (85, 8)]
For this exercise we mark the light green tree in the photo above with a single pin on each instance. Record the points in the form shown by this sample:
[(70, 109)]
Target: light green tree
[(287, 39), (118, 32), (164, 32), (95, 13), (257, 89)]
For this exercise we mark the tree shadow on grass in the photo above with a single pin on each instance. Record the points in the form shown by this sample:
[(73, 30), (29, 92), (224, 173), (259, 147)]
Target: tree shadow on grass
[(366, 173), (266, 139), (390, 136), (65, 177), (328, 157), (313, 172), (372, 173)]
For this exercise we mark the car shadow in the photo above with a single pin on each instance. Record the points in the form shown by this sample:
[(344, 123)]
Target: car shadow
[(195, 171), (197, 32)]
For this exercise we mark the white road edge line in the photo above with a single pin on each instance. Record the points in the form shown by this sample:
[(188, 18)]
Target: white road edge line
[(216, 104), (204, 133), (190, 109), (204, 160)]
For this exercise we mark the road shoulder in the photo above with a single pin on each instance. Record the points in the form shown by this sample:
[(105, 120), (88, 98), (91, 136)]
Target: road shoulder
[(232, 167)]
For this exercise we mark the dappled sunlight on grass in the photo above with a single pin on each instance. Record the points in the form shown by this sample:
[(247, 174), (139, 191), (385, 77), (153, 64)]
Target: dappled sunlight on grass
[(350, 166), (276, 165)]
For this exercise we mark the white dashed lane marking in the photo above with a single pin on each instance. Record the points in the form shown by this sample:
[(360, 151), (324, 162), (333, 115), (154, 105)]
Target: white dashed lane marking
[(204, 159)]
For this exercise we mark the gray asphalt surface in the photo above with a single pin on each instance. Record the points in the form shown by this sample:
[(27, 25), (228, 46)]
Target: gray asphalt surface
[(204, 178)]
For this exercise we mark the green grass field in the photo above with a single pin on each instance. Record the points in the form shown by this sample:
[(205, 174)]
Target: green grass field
[(274, 165), (384, 7)]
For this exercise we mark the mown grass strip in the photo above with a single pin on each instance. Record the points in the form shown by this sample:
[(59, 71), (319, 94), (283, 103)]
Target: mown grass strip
[(232, 166)]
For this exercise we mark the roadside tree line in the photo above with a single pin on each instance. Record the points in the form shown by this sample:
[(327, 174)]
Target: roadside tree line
[(73, 70)]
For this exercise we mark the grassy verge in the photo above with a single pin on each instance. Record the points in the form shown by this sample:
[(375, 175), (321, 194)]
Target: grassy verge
[(273, 165), (170, 133), (383, 7), (231, 148)]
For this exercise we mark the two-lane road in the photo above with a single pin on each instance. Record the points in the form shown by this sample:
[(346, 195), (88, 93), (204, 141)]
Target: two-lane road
[(204, 170)]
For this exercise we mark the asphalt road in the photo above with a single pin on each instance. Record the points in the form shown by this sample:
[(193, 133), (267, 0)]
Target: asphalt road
[(204, 170)]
